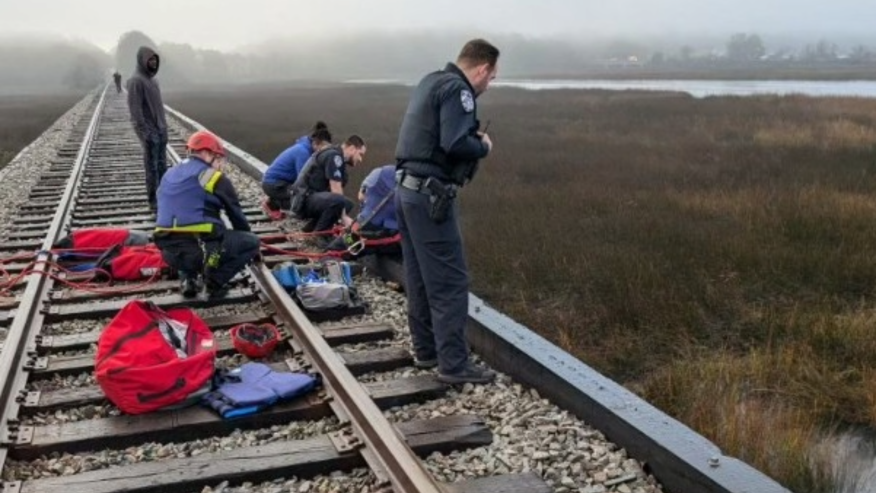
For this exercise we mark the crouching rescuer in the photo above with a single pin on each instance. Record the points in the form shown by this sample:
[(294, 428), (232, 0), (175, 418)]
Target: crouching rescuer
[(189, 230)]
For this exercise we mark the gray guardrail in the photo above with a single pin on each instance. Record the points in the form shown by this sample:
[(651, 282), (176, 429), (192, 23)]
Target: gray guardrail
[(247, 163), (681, 459)]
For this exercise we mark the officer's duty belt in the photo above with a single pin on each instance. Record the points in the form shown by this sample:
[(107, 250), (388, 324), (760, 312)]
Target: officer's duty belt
[(414, 183)]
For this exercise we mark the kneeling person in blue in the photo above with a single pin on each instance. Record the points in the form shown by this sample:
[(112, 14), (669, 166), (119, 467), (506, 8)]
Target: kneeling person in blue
[(189, 230), (375, 229), (283, 172)]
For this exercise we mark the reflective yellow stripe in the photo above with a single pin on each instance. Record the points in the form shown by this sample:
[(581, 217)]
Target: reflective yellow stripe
[(191, 228), (208, 179)]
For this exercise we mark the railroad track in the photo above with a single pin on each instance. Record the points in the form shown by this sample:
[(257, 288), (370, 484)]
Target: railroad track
[(366, 430)]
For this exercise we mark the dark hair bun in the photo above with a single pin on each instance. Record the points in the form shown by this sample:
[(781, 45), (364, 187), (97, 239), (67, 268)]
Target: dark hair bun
[(320, 125)]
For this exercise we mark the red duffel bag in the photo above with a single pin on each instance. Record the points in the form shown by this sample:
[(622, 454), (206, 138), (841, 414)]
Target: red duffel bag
[(149, 359), (132, 263)]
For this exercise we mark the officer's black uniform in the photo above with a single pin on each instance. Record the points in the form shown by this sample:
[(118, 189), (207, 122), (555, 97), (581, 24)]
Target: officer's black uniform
[(438, 141), (323, 207)]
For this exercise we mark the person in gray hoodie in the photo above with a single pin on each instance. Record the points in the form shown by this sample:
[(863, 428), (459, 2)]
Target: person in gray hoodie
[(147, 116)]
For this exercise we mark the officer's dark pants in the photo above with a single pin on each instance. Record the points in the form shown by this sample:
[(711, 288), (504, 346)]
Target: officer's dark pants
[(226, 255), (278, 195), (436, 280), (325, 209), (154, 162)]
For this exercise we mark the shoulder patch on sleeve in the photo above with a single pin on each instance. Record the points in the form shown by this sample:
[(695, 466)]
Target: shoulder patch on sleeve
[(339, 161), (467, 100)]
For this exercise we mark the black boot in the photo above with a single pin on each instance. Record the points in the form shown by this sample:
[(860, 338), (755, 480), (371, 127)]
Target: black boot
[(215, 291), (190, 287)]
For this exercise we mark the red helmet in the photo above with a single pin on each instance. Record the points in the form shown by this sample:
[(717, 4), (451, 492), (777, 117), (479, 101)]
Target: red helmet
[(203, 140), (255, 341)]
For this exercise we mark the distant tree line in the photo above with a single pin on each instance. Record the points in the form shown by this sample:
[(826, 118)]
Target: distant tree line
[(34, 65), (750, 48)]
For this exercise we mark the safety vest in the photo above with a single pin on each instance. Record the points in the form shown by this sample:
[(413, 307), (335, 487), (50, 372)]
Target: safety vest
[(384, 218), (186, 203)]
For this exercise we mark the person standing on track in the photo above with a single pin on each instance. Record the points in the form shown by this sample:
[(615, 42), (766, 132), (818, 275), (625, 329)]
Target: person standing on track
[(117, 79), (147, 116), (189, 229), (439, 145)]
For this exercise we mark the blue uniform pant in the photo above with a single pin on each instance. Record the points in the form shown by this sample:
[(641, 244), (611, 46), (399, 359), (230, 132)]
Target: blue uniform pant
[(278, 195), (436, 281), (231, 251), (324, 209), (154, 162)]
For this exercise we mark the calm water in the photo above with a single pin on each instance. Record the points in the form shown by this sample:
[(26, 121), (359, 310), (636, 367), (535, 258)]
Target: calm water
[(697, 88)]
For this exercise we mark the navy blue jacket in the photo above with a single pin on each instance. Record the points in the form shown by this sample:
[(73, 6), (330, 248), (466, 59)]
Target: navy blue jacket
[(439, 130), (287, 166), (378, 185), (191, 196)]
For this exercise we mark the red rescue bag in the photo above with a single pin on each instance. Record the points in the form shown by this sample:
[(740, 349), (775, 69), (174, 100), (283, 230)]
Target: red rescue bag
[(94, 238), (135, 262), (148, 359)]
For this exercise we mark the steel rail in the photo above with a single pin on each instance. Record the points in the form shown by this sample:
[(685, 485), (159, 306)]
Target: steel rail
[(386, 447), (30, 313)]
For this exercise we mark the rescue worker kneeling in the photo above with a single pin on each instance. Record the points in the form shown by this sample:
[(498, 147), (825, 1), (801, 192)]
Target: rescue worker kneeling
[(322, 181), (189, 230), (375, 230)]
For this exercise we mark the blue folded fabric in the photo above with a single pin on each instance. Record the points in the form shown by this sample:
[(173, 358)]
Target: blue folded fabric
[(253, 387), (289, 385)]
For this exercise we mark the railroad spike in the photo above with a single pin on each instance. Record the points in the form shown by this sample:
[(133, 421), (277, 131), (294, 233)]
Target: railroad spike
[(11, 487), (40, 363), (345, 440), (44, 342)]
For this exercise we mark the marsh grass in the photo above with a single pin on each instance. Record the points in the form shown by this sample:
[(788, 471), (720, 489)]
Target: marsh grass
[(24, 118), (713, 254)]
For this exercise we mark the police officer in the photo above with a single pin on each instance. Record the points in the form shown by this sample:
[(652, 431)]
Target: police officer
[(189, 230), (325, 178), (438, 149)]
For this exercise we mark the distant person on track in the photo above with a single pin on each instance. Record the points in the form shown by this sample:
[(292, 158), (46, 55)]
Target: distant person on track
[(189, 230), (147, 115), (375, 229), (283, 172), (323, 179), (439, 145), (117, 78)]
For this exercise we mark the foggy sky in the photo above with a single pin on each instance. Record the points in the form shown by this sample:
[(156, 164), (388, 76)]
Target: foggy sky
[(229, 25)]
